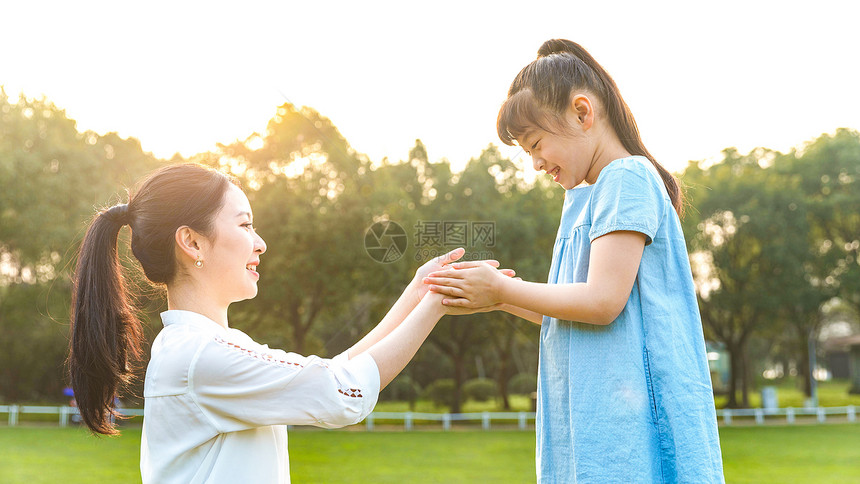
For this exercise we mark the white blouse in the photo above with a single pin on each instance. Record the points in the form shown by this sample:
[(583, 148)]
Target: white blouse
[(217, 404)]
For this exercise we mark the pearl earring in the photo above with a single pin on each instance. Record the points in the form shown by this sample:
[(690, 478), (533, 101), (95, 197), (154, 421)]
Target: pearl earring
[(198, 262)]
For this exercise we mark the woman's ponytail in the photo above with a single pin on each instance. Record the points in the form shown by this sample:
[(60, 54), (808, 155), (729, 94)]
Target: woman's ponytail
[(106, 335), (561, 67)]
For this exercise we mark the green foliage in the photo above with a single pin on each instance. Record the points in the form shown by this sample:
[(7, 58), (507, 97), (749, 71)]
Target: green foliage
[(480, 389), (440, 392), (772, 239), (53, 179), (523, 384)]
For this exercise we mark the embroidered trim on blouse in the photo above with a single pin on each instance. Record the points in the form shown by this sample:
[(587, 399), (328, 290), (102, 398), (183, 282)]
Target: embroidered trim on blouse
[(351, 392), (268, 358)]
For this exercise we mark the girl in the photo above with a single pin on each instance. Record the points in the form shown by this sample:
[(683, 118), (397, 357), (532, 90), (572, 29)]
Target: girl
[(624, 391), (216, 403)]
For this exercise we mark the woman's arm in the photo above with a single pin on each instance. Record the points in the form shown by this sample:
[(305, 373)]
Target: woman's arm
[(407, 301), (398, 312), (410, 297), (394, 351), (613, 265), (531, 316)]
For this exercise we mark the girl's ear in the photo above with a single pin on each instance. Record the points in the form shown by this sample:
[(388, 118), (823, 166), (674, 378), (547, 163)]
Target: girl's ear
[(582, 111)]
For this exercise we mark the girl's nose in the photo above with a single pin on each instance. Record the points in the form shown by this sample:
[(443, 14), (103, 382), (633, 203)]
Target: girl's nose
[(538, 163)]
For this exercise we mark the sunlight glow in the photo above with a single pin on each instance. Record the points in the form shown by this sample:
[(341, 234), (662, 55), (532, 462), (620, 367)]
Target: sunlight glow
[(694, 88)]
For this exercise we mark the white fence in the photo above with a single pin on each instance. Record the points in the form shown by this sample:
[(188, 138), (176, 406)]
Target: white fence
[(521, 419), (408, 419), (64, 412), (788, 413)]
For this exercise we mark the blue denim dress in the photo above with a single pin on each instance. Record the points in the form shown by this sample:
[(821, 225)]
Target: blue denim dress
[(630, 401)]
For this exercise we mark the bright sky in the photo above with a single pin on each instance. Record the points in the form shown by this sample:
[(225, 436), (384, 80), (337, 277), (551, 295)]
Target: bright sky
[(182, 76)]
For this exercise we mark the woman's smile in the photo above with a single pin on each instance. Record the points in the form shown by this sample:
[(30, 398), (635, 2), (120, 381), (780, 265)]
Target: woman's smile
[(252, 268)]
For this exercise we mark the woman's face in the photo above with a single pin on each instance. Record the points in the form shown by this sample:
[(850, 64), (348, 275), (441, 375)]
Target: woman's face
[(231, 260)]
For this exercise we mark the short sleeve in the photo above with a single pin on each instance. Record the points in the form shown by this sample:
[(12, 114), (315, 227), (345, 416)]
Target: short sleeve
[(242, 385), (628, 195)]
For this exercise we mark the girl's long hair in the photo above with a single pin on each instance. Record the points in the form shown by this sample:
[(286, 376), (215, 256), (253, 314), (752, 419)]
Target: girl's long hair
[(106, 333), (540, 95)]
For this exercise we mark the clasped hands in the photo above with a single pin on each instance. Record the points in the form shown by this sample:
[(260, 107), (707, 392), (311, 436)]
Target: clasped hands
[(463, 287)]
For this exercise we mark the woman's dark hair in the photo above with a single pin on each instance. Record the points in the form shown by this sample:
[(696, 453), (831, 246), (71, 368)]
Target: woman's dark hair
[(106, 334), (540, 95)]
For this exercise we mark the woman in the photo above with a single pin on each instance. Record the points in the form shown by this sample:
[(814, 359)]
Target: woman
[(216, 402)]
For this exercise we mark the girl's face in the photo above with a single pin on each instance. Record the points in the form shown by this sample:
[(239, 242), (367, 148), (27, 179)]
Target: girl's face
[(567, 156), (231, 259)]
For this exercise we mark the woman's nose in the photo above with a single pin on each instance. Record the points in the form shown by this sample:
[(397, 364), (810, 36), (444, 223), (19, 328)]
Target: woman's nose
[(259, 245)]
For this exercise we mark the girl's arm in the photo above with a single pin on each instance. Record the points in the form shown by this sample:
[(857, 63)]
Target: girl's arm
[(613, 265)]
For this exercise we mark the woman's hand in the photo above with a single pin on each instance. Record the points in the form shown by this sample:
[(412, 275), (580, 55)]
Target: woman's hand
[(432, 265), (459, 311), (437, 264), (436, 298), (475, 285)]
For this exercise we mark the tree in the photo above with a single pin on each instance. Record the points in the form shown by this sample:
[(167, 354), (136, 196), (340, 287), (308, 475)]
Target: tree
[(771, 243), (304, 184), (744, 243), (52, 180), (822, 177)]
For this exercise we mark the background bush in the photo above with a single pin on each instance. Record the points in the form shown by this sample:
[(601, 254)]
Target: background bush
[(523, 384), (480, 389), (401, 389), (440, 392)]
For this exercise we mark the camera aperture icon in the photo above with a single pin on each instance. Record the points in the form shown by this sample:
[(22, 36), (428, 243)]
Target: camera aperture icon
[(385, 241)]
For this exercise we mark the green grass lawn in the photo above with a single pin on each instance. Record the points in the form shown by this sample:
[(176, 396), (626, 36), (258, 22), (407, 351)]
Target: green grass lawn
[(770, 454)]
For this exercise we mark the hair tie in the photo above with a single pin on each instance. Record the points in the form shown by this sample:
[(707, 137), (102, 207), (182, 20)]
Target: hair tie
[(118, 214)]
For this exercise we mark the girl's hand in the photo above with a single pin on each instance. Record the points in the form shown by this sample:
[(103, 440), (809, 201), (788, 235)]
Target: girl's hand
[(437, 264), (470, 285), (437, 298)]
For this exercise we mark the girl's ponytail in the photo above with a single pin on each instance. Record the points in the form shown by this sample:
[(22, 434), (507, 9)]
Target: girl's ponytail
[(106, 335), (561, 67)]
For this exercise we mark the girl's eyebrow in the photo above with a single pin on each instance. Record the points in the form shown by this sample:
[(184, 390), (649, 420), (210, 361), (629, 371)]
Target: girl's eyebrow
[(524, 139), (244, 213)]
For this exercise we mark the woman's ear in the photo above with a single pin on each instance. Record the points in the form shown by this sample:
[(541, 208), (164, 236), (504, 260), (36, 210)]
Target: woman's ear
[(188, 243), (582, 111)]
